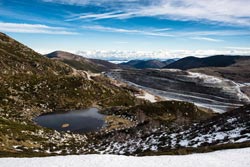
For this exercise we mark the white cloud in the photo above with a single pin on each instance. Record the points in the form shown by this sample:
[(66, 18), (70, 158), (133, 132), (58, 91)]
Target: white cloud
[(162, 29), (33, 28), (230, 12), (238, 48), (207, 39), (91, 2), (223, 11), (162, 54), (215, 33), (130, 31), (72, 2), (167, 32), (109, 15)]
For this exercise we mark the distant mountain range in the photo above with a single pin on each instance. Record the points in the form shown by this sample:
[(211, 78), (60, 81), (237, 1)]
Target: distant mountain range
[(231, 67), (212, 61), (97, 65), (142, 64), (82, 63)]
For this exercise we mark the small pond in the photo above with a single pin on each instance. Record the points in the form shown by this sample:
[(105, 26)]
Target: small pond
[(76, 121)]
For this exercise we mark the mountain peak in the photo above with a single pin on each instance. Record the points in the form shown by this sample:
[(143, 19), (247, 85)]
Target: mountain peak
[(81, 63), (62, 54)]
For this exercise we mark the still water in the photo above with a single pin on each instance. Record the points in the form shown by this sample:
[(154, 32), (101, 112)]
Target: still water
[(77, 121)]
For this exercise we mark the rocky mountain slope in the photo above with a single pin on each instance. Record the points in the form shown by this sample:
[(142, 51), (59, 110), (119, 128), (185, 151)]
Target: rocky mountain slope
[(32, 84), (82, 63), (184, 130)]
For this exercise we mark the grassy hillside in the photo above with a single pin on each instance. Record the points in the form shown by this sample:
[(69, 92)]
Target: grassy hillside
[(32, 84)]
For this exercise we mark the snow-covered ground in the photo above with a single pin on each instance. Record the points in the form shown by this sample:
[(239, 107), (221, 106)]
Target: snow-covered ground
[(147, 96), (225, 158)]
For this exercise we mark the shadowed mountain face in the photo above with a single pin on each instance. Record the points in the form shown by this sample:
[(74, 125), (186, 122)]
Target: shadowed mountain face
[(142, 64), (82, 63), (213, 61)]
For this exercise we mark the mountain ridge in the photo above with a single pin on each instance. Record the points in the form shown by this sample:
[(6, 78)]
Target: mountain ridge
[(192, 62), (143, 64), (81, 63)]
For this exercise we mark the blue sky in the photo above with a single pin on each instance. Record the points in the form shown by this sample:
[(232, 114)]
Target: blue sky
[(130, 28)]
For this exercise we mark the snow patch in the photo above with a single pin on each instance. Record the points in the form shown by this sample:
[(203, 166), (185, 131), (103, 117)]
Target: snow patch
[(147, 96), (225, 158)]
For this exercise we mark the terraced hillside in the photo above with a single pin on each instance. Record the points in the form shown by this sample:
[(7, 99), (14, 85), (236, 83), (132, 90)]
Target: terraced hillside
[(239, 72), (211, 92)]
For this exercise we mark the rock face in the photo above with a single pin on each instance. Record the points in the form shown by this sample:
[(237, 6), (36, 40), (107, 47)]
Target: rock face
[(82, 63)]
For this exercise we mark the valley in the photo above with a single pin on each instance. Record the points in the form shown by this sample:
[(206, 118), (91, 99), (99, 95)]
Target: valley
[(124, 83), (44, 102)]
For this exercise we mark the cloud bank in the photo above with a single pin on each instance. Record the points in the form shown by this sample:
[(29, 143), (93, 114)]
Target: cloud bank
[(163, 54)]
